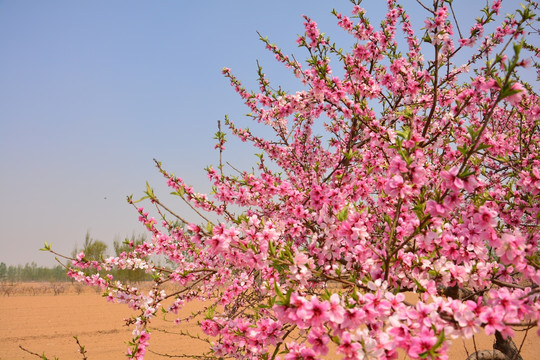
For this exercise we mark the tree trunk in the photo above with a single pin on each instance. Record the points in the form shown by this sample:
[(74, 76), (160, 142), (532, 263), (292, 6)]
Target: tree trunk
[(502, 350), (487, 355), (508, 347)]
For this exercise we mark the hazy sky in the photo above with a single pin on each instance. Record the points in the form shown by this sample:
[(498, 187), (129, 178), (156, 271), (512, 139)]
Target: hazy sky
[(92, 91)]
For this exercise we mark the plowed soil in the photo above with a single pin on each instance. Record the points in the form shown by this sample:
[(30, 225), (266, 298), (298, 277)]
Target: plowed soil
[(46, 323)]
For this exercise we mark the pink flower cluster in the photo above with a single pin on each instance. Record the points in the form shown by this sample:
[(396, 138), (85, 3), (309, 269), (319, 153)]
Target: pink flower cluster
[(390, 171)]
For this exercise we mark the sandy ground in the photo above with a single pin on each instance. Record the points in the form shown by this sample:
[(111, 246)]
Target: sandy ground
[(41, 322), (46, 323)]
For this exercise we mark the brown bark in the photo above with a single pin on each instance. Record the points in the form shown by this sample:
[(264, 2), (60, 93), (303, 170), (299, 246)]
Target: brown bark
[(487, 355), (503, 349), (506, 346)]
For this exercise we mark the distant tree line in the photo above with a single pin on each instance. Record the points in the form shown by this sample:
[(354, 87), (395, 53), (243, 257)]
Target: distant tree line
[(32, 272), (93, 250)]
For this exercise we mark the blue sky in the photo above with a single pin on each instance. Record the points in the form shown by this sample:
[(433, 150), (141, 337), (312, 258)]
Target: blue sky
[(91, 92)]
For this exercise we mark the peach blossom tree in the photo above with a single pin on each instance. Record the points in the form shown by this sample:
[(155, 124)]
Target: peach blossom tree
[(395, 206)]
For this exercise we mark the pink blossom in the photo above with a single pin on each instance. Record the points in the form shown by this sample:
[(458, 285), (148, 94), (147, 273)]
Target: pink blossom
[(398, 165), (314, 312), (511, 248), (468, 321), (319, 340), (452, 181), (515, 99), (347, 347), (435, 209), (210, 327), (336, 312), (492, 320), (422, 343), (396, 187), (496, 6), (485, 217), (352, 318)]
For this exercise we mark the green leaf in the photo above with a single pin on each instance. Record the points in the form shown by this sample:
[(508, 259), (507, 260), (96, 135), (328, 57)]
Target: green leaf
[(517, 48), (462, 149), (141, 199), (483, 146), (354, 293), (471, 131), (440, 341), (210, 312), (508, 92), (180, 192), (420, 287), (405, 133), (279, 294), (149, 190), (271, 248), (343, 214)]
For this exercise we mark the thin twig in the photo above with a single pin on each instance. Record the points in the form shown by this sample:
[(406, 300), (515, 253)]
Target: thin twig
[(43, 357), (82, 350), (186, 356)]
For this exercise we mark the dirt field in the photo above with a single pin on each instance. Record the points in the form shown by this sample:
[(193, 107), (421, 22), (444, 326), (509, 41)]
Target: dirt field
[(36, 319), (45, 322)]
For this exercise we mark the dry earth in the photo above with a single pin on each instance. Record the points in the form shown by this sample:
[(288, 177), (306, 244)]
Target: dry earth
[(35, 318)]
